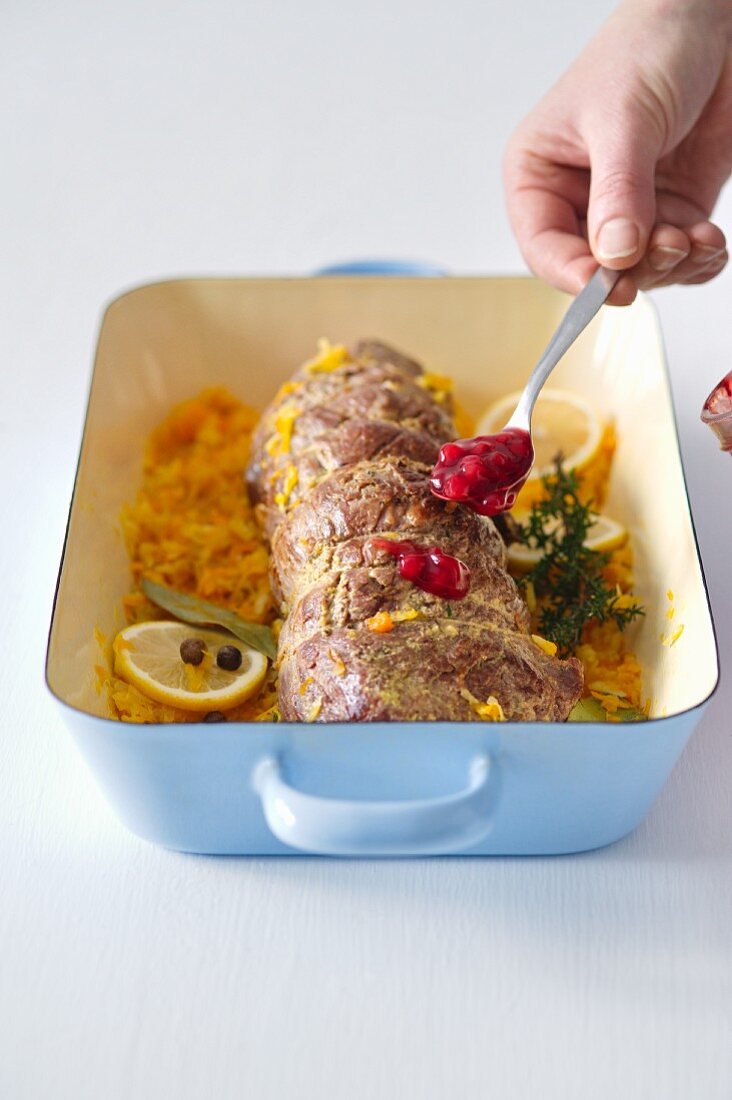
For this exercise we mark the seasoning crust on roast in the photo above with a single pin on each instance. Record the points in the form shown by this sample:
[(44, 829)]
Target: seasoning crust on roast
[(344, 454)]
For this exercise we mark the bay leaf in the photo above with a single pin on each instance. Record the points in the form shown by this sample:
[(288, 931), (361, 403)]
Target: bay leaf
[(189, 609), (587, 710), (590, 710)]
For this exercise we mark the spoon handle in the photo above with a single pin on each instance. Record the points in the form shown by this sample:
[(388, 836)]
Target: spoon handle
[(575, 320)]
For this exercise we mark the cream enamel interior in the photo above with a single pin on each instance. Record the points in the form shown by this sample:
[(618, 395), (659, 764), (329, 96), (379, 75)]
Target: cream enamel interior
[(165, 342)]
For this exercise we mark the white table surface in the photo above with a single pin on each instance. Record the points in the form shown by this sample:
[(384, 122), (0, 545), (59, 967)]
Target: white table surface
[(148, 139)]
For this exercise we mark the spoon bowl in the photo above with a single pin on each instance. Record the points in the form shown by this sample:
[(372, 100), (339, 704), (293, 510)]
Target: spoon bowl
[(487, 472)]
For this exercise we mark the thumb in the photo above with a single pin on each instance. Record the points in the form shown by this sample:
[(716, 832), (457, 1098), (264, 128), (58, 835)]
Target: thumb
[(622, 206)]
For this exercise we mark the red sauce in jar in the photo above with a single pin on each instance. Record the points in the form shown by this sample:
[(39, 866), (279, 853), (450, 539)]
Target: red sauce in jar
[(717, 412), (430, 568), (485, 473)]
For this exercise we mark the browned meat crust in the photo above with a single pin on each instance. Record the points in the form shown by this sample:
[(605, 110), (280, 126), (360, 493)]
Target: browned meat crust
[(342, 455), (352, 595), (352, 441), (377, 403), (388, 496), (424, 671)]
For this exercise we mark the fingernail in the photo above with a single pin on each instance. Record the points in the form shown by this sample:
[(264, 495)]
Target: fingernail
[(663, 257), (703, 253), (618, 238)]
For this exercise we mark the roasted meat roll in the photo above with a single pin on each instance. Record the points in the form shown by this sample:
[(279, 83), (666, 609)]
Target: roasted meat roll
[(339, 467)]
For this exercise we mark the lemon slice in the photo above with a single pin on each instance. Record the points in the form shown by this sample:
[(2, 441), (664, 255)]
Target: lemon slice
[(605, 535), (147, 655), (562, 422)]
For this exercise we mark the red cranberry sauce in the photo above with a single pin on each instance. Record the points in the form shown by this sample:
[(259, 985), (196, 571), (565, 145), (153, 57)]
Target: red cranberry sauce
[(485, 473), (429, 568)]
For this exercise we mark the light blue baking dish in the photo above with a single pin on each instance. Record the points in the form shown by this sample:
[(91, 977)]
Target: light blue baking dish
[(381, 789)]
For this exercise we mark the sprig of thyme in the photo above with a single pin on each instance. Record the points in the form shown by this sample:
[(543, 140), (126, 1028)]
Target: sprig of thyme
[(568, 578)]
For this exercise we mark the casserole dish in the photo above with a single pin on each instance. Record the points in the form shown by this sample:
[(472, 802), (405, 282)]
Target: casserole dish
[(382, 788)]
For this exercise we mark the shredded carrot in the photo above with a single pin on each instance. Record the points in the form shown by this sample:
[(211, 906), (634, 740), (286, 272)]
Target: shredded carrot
[(438, 385), (284, 421), (329, 357), (406, 616), (192, 527), (490, 711), (339, 666), (289, 481), (380, 623)]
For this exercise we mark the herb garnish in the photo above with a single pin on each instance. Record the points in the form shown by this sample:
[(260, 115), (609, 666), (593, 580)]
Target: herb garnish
[(567, 579)]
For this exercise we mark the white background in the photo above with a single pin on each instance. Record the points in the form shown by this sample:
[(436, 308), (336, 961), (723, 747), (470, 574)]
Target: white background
[(141, 140)]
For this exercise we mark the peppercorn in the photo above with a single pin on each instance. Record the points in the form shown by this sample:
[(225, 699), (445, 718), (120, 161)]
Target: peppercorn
[(192, 650), (214, 716), (229, 658)]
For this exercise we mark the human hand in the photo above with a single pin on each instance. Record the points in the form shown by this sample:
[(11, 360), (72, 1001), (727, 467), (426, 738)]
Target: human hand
[(622, 161)]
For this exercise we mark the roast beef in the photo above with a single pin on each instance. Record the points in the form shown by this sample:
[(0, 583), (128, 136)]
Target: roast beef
[(342, 455)]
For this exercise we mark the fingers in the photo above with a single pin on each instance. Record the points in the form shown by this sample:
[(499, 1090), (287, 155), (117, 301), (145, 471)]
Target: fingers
[(564, 259), (542, 200), (710, 272), (708, 256), (668, 250), (708, 243), (624, 292), (547, 203), (691, 255), (622, 203), (561, 258)]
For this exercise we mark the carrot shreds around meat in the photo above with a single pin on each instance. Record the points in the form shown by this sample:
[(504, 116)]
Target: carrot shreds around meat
[(191, 527), (380, 623)]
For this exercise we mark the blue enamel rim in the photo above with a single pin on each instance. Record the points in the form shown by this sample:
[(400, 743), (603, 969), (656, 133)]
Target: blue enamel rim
[(383, 267)]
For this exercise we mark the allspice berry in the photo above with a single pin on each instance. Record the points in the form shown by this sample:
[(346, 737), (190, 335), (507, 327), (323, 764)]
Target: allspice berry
[(229, 658), (192, 650)]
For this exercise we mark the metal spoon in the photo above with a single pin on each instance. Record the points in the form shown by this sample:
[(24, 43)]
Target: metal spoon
[(575, 320), (487, 472)]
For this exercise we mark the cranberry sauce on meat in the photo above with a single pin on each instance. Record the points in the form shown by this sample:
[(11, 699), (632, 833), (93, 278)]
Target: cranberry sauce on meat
[(429, 567)]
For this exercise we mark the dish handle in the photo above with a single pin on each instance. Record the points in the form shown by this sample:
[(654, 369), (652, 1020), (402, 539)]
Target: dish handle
[(340, 827), (382, 267)]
